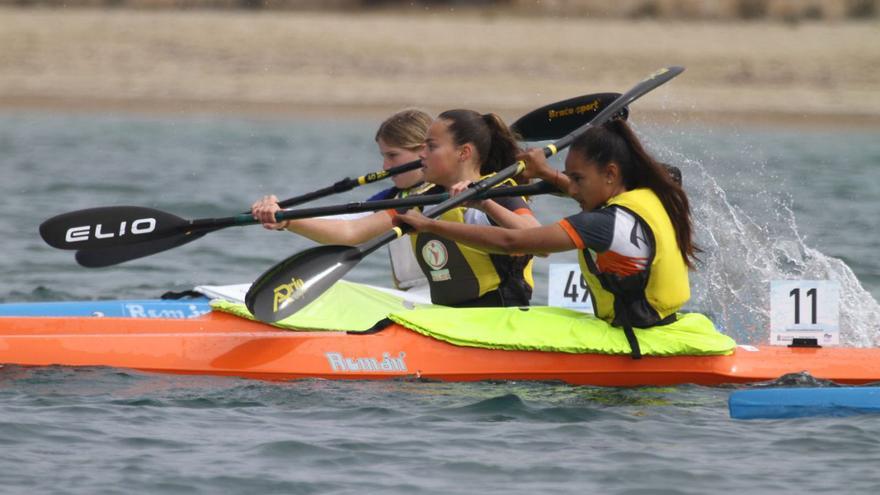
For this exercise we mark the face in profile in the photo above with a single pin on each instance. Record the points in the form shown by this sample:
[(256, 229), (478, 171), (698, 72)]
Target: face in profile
[(440, 155), (393, 156), (588, 184)]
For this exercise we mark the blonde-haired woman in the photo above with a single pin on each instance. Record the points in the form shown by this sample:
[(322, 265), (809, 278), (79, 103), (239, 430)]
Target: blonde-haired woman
[(400, 138)]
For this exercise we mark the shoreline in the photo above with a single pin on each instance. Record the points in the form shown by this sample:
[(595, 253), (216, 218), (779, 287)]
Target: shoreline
[(332, 64), (276, 111)]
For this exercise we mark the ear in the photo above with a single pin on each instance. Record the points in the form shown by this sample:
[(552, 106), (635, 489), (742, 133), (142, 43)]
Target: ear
[(612, 173), (466, 152)]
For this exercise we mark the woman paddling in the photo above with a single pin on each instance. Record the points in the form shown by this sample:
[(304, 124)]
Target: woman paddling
[(461, 147), (400, 138), (633, 234)]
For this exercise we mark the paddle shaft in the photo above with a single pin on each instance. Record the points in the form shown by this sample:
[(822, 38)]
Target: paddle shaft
[(208, 224), (348, 184), (107, 256)]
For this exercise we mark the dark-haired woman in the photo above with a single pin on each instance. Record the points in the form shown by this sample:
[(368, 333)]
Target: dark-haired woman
[(633, 234), (461, 146)]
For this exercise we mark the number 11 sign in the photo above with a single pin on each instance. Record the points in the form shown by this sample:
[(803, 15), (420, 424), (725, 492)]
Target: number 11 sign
[(804, 308)]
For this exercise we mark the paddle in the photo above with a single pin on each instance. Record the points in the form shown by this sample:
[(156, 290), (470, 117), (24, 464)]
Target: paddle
[(86, 229), (111, 235), (558, 119), (106, 256), (348, 184), (112, 255), (298, 280)]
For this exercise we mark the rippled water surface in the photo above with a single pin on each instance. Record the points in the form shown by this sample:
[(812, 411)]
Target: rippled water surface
[(107, 431), (769, 204)]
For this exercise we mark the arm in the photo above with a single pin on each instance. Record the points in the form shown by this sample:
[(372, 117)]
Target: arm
[(326, 231), (538, 168), (509, 219), (538, 240), (345, 232), (518, 218)]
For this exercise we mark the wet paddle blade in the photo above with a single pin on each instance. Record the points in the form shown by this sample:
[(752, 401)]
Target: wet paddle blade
[(110, 225), (558, 119), (292, 284)]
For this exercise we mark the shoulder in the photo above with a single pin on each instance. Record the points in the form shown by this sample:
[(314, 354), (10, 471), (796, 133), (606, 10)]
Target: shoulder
[(594, 218), (384, 194), (595, 229), (420, 188)]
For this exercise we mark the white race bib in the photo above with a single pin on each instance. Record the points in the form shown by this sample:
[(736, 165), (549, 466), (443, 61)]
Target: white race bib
[(566, 288)]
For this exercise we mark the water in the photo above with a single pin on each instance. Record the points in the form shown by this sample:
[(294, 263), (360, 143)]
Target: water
[(95, 430), (769, 204)]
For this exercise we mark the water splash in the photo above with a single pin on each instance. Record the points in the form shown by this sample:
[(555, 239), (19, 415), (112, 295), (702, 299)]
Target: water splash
[(749, 238)]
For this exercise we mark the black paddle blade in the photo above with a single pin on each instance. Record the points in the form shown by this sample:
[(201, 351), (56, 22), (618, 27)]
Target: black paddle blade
[(555, 120), (109, 256), (292, 284), (108, 226)]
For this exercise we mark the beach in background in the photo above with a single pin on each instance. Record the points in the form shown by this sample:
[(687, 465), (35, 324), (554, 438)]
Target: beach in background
[(345, 63)]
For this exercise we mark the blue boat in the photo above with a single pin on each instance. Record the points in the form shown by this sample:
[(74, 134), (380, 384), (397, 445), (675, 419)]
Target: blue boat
[(780, 403)]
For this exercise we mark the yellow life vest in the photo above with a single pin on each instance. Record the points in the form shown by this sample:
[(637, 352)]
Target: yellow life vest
[(458, 273), (667, 287)]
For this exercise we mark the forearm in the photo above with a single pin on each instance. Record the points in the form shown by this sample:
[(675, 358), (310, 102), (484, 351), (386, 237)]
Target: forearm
[(509, 219), (486, 237), (538, 168), (339, 231), (555, 177), (537, 240)]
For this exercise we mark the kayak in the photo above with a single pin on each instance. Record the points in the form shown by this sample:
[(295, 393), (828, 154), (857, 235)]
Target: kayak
[(781, 403), (187, 336)]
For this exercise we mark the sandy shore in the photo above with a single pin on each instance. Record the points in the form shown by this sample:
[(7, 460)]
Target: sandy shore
[(342, 64)]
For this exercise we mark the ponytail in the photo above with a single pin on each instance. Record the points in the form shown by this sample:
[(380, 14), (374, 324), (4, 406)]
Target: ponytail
[(504, 146), (616, 142), (494, 142)]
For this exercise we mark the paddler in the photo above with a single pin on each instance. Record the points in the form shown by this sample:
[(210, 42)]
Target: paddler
[(634, 234), (400, 138), (460, 146)]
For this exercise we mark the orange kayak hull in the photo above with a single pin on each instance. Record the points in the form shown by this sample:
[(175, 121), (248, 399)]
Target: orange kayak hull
[(221, 344)]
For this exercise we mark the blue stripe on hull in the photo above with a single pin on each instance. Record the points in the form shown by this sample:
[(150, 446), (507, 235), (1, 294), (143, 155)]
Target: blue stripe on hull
[(778, 403), (145, 308)]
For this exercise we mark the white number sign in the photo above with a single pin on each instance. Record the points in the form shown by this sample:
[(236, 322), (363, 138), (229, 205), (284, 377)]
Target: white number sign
[(567, 288), (804, 308)]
